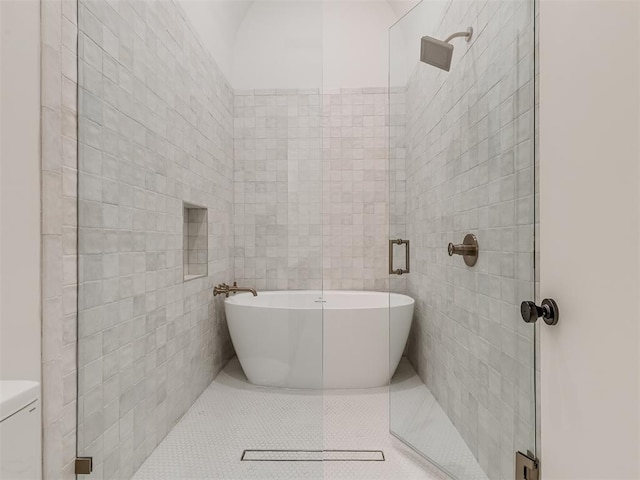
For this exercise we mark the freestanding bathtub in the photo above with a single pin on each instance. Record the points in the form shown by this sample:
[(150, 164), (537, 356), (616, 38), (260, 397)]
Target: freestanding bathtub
[(315, 339)]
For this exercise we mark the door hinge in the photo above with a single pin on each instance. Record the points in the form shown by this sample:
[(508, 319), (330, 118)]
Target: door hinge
[(84, 465), (527, 466)]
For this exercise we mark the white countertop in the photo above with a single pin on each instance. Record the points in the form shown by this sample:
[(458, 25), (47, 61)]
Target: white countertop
[(15, 395)]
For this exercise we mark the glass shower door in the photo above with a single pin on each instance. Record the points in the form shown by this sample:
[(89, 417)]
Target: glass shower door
[(185, 184), (462, 161)]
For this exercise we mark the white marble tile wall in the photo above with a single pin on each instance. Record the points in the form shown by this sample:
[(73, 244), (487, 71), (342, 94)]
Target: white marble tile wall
[(312, 177), (59, 239), (277, 188), (355, 189), (469, 168), (156, 130), (397, 183), (59, 223)]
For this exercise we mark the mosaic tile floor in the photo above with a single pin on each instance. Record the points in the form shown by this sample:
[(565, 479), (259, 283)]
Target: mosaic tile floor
[(232, 415)]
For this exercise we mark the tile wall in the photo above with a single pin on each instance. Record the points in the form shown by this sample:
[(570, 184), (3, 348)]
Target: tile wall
[(155, 131), (277, 188), (397, 185), (59, 239), (312, 178), (469, 168), (355, 186)]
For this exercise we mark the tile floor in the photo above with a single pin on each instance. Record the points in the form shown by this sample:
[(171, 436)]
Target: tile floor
[(418, 418), (232, 415)]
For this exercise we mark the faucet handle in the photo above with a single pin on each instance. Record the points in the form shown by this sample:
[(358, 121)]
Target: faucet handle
[(468, 249), (220, 289)]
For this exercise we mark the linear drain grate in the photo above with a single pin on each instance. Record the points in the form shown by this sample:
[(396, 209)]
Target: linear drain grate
[(312, 456)]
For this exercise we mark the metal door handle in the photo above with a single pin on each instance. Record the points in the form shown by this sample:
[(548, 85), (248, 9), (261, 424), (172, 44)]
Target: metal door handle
[(399, 271), (548, 311), (468, 249)]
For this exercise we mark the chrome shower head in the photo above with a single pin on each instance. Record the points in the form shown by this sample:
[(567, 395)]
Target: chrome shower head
[(438, 53)]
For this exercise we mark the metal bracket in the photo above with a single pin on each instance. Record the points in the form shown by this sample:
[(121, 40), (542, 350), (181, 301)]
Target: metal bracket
[(527, 466), (83, 465)]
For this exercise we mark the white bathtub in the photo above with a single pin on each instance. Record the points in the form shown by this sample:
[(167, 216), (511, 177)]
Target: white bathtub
[(314, 339)]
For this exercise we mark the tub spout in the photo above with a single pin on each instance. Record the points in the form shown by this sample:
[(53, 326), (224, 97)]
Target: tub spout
[(225, 289), (235, 288)]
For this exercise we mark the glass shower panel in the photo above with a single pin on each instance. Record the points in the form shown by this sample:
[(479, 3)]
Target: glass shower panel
[(277, 222), (186, 183), (464, 395)]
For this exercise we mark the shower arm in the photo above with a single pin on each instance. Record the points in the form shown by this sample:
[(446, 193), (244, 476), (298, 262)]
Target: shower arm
[(468, 33)]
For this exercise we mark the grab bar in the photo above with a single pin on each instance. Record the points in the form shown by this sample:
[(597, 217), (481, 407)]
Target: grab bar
[(399, 271)]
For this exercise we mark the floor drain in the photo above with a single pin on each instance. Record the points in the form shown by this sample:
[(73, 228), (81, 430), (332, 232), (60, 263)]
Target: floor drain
[(312, 456)]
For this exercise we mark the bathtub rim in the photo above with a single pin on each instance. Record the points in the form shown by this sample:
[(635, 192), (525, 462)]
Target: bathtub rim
[(239, 300)]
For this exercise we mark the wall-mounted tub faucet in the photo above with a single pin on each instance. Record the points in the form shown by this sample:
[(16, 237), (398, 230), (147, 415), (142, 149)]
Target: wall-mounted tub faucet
[(226, 289)]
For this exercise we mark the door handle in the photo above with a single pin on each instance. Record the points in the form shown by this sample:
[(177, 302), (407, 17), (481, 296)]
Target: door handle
[(399, 271), (548, 311)]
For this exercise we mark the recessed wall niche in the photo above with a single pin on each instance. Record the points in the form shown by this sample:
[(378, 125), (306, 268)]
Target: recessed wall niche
[(195, 253)]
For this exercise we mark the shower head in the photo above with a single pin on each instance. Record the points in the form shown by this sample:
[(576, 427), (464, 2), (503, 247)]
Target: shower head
[(438, 53)]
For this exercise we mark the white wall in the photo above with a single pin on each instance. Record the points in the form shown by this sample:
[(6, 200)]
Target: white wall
[(216, 23), (355, 43), (298, 43), (20, 190), (590, 202), (279, 45)]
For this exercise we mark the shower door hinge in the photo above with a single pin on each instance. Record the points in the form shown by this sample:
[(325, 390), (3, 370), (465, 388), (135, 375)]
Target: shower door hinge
[(527, 466), (84, 465)]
